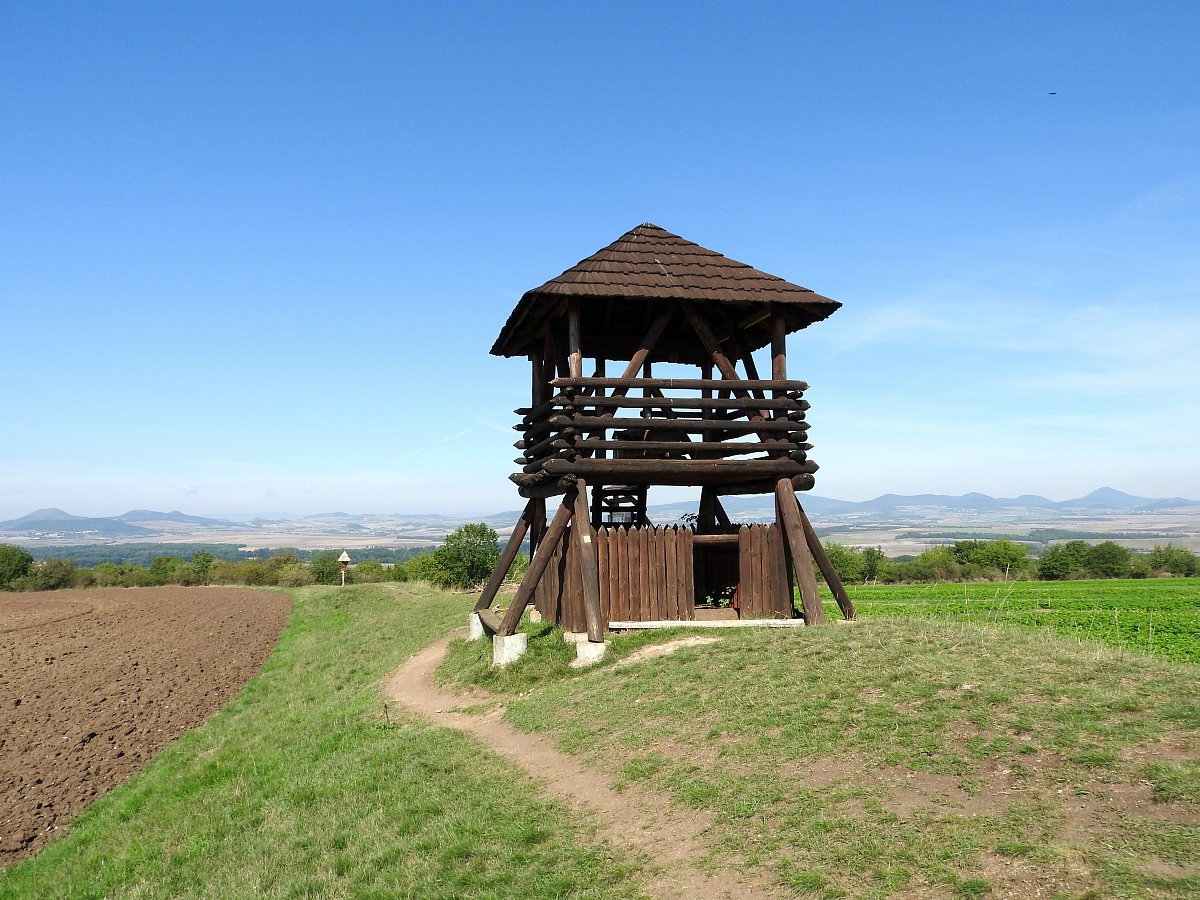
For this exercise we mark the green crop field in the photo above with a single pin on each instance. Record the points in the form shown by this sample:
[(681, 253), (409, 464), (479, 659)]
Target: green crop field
[(1160, 616)]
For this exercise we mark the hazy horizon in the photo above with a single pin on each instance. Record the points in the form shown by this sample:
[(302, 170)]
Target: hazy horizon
[(683, 494)]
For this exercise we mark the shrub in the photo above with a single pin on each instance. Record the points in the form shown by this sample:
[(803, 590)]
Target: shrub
[(369, 572), (53, 574), (324, 568), (14, 563)]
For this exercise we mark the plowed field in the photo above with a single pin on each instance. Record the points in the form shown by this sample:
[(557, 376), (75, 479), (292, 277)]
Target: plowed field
[(93, 683)]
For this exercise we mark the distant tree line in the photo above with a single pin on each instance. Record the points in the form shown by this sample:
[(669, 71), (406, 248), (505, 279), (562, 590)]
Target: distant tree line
[(88, 555), (1004, 559), (465, 559), (468, 555)]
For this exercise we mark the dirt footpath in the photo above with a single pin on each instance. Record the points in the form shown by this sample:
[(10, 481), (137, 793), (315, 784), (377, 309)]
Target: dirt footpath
[(637, 819), (94, 682)]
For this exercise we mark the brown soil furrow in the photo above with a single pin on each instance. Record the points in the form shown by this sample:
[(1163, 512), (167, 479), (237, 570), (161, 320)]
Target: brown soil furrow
[(93, 683), (635, 819)]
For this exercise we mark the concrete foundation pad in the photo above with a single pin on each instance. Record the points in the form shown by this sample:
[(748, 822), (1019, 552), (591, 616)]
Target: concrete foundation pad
[(474, 627), (508, 649), (575, 637), (588, 653), (534, 615)]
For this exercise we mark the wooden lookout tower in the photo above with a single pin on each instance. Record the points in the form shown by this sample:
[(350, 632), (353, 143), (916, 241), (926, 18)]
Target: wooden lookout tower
[(602, 441)]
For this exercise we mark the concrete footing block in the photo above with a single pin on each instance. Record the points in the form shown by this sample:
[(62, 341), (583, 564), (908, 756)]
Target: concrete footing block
[(534, 615), (474, 627), (588, 653), (508, 648), (575, 637)]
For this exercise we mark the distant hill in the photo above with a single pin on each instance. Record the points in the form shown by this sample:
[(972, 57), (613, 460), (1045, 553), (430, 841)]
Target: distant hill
[(150, 515), (54, 525), (44, 522)]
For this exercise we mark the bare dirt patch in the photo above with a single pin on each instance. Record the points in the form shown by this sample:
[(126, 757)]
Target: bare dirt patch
[(640, 820), (93, 683), (663, 649)]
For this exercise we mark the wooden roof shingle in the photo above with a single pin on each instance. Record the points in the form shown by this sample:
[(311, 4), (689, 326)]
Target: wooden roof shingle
[(648, 265)]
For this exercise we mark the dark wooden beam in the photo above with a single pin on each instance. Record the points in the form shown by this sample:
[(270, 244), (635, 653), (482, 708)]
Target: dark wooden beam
[(704, 469), (506, 557), (682, 384), (823, 563), (810, 595), (585, 546), (537, 567), (778, 345), (574, 346)]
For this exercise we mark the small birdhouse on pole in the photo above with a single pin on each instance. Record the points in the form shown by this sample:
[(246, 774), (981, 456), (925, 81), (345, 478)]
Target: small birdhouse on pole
[(344, 559)]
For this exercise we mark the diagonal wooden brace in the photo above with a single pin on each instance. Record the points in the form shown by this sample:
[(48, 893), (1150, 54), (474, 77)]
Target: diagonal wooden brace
[(541, 559)]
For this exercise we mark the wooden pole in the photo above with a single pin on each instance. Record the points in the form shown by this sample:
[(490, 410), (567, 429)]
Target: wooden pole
[(541, 559), (778, 346), (585, 546), (574, 348), (506, 557), (826, 567), (810, 595)]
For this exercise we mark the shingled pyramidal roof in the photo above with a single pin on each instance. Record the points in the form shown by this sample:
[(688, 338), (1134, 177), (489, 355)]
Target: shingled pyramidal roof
[(645, 267)]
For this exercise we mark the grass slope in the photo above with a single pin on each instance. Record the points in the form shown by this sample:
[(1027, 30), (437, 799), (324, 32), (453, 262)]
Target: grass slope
[(896, 757), (1153, 615), (301, 788)]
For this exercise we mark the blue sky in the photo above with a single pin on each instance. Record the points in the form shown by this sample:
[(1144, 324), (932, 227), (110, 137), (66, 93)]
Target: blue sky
[(253, 256)]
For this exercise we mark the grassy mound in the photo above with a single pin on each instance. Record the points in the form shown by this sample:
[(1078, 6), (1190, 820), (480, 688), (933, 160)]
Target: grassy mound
[(935, 758), (304, 786)]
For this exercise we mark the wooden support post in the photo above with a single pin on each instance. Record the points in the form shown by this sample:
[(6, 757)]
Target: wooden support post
[(778, 345), (537, 525), (826, 567), (706, 519), (574, 348), (506, 558), (585, 546), (810, 595), (541, 559), (719, 510)]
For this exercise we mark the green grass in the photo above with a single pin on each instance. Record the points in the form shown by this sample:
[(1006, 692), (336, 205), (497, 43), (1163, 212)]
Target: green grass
[(892, 756), (1160, 616), (303, 787)]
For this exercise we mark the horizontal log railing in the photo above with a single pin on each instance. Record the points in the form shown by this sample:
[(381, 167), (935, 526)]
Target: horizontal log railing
[(705, 431)]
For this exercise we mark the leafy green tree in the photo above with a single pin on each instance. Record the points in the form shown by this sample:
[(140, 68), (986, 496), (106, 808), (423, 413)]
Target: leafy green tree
[(1108, 560), (1171, 559), (324, 568), (14, 563), (202, 562), (846, 561), (1064, 561), (469, 555), (873, 561), (1054, 565), (164, 569)]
